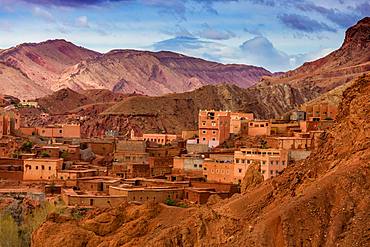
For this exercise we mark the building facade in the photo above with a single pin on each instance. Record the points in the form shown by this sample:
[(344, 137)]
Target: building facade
[(41, 169), (214, 127)]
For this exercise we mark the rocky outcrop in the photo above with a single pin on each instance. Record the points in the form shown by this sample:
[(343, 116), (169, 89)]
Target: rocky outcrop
[(252, 178)]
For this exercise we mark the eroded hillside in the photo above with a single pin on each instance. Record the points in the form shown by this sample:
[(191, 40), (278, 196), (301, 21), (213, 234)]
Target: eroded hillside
[(322, 201)]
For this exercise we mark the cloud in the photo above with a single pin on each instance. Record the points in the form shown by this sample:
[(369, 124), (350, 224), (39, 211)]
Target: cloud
[(210, 33), (40, 12), (304, 23), (196, 47), (253, 31), (82, 21), (260, 51), (180, 44), (72, 3), (338, 17)]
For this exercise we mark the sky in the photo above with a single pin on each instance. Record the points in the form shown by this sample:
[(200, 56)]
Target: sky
[(278, 35)]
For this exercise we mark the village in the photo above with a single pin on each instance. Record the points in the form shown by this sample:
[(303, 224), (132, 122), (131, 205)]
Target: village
[(174, 168)]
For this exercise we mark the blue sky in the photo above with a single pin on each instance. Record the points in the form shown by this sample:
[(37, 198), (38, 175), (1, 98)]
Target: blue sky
[(276, 34)]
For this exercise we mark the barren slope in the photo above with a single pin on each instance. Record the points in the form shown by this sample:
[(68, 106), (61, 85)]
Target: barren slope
[(40, 64), (155, 73), (322, 201)]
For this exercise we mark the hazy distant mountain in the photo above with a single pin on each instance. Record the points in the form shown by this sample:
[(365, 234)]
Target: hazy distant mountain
[(31, 70), (35, 70)]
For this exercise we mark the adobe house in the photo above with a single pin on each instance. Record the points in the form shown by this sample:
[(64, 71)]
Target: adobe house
[(189, 134), (148, 194), (258, 128), (188, 164), (100, 147), (60, 131), (41, 169), (323, 111), (131, 170), (283, 128), (160, 166), (214, 127), (194, 147), (161, 139), (129, 157), (219, 168), (28, 131), (163, 151), (236, 120), (131, 146), (315, 124), (272, 161), (48, 151), (97, 183)]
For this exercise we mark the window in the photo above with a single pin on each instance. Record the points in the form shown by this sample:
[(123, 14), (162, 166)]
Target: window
[(37, 167), (204, 138), (195, 165), (204, 131), (214, 132), (267, 124), (283, 163), (213, 139), (272, 172), (42, 167), (60, 131), (204, 123), (240, 170), (262, 125), (263, 162), (200, 166), (271, 162)]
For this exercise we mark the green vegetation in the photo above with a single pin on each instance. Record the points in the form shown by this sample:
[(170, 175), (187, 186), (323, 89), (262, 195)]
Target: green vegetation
[(16, 227), (9, 231), (45, 154), (27, 147), (64, 154), (170, 202)]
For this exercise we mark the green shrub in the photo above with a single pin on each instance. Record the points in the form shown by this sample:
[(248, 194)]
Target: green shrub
[(170, 202)]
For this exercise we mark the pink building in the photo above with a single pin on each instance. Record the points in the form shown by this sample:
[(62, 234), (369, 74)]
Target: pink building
[(214, 127), (258, 128)]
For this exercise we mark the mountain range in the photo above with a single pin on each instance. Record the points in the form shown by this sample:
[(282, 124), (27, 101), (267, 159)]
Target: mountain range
[(273, 97), (35, 70)]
